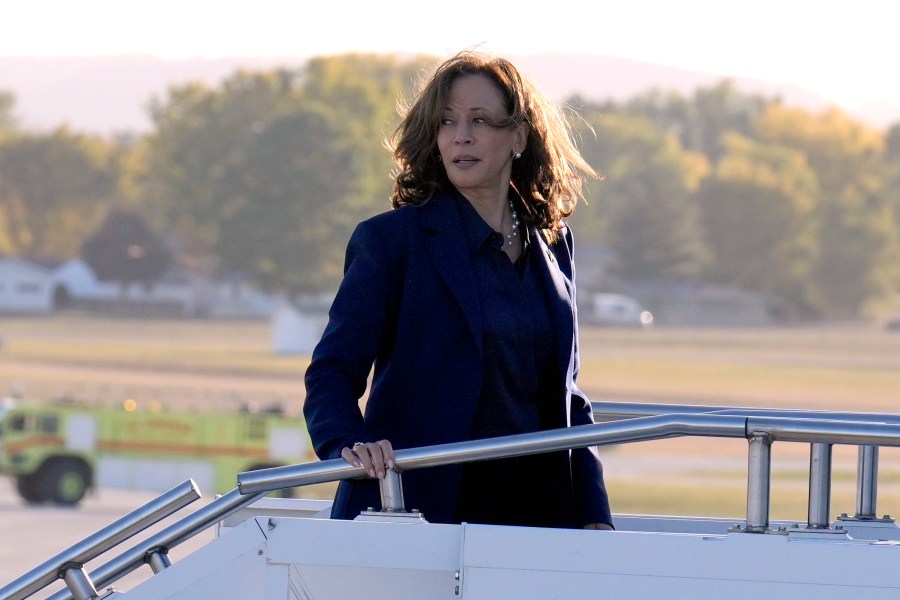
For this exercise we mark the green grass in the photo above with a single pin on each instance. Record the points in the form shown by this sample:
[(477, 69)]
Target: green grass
[(830, 367), (205, 347), (724, 499), (162, 356)]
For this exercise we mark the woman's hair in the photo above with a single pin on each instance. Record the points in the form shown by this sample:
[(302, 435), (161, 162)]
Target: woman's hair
[(549, 175)]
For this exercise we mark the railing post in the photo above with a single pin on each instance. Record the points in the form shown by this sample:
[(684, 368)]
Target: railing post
[(392, 491), (159, 560), (79, 583), (819, 486), (759, 469), (867, 482)]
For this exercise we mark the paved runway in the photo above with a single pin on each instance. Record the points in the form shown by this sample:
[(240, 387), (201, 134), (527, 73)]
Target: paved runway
[(30, 535)]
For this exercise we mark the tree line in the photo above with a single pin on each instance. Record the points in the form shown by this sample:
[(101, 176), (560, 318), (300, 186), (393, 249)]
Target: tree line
[(267, 173)]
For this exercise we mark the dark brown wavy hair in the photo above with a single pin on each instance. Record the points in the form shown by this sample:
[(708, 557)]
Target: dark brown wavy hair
[(548, 177)]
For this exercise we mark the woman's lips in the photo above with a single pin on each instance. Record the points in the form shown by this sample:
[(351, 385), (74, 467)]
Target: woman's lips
[(465, 161)]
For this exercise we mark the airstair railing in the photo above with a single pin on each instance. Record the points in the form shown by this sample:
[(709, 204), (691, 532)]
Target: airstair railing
[(164, 540), (820, 454), (605, 410), (337, 469), (617, 432), (761, 430), (69, 564)]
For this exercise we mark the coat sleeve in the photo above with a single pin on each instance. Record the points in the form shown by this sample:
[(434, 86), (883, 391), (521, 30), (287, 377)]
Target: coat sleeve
[(337, 376), (592, 500)]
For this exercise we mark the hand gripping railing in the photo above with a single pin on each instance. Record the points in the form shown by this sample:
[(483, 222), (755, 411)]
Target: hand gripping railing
[(69, 564), (819, 457), (760, 430)]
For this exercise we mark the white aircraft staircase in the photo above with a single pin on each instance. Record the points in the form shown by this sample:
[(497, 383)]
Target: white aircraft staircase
[(286, 549)]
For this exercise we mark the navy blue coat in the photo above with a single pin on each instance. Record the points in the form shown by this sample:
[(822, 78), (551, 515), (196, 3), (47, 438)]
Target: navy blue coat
[(408, 304)]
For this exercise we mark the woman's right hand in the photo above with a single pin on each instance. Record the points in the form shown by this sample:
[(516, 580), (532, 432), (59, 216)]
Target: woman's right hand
[(376, 457)]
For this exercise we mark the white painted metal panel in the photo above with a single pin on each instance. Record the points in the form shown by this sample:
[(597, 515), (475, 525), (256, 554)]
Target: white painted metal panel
[(531, 563), (234, 567), (372, 560), (320, 559)]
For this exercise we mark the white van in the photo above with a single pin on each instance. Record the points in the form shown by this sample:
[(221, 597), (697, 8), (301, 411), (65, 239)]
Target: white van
[(617, 310)]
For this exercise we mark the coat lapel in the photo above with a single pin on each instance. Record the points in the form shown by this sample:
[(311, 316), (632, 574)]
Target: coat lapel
[(445, 242), (561, 296)]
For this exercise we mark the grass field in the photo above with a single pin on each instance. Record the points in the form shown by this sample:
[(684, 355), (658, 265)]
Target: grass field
[(221, 365)]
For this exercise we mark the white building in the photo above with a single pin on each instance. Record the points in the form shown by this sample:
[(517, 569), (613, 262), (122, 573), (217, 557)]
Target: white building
[(31, 286), (181, 292), (26, 286)]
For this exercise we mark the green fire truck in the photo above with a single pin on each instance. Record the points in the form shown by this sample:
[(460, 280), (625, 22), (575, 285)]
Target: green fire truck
[(57, 452)]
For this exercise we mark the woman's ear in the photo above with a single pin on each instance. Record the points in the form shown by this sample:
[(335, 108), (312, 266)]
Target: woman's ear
[(521, 136)]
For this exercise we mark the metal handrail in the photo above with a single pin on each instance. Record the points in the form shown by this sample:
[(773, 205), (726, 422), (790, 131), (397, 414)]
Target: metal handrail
[(606, 410), (255, 484), (600, 434), (820, 454), (619, 432), (99, 542), (166, 539)]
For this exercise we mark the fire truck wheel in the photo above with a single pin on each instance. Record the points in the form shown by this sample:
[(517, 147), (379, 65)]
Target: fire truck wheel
[(65, 481), (28, 488)]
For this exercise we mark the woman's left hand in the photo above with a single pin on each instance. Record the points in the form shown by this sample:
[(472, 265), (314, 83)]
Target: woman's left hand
[(376, 457)]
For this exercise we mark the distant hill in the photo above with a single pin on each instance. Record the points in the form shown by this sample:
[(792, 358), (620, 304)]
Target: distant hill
[(110, 94)]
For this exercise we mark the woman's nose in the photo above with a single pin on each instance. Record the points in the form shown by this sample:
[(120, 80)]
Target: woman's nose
[(463, 134)]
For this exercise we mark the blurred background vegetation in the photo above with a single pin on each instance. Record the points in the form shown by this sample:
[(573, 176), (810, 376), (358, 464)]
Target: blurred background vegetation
[(267, 173)]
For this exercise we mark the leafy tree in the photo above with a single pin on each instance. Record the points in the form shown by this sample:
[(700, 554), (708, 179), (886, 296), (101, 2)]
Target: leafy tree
[(364, 90), (702, 121), (892, 145), (270, 170), (200, 148), (854, 218), (644, 208), (892, 187), (52, 186), (7, 101), (755, 210), (284, 216), (124, 249)]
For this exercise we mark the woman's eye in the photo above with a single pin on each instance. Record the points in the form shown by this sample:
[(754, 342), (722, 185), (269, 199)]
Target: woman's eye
[(479, 120), (446, 122)]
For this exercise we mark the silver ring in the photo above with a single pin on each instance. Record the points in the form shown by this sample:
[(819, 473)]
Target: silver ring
[(357, 445)]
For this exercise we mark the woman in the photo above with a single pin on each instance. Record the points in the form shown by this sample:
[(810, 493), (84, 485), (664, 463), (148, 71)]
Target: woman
[(463, 300)]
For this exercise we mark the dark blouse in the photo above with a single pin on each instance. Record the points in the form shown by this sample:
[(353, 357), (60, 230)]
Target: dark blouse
[(519, 368)]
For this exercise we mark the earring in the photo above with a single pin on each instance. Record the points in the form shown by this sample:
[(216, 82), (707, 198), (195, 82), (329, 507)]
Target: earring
[(517, 155)]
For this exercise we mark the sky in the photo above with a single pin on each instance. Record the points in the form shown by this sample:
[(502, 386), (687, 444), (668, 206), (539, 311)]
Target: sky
[(842, 50)]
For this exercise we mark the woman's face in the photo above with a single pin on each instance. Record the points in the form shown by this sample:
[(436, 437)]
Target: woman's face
[(475, 141)]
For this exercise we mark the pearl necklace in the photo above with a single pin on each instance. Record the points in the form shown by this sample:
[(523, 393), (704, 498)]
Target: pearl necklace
[(515, 226)]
